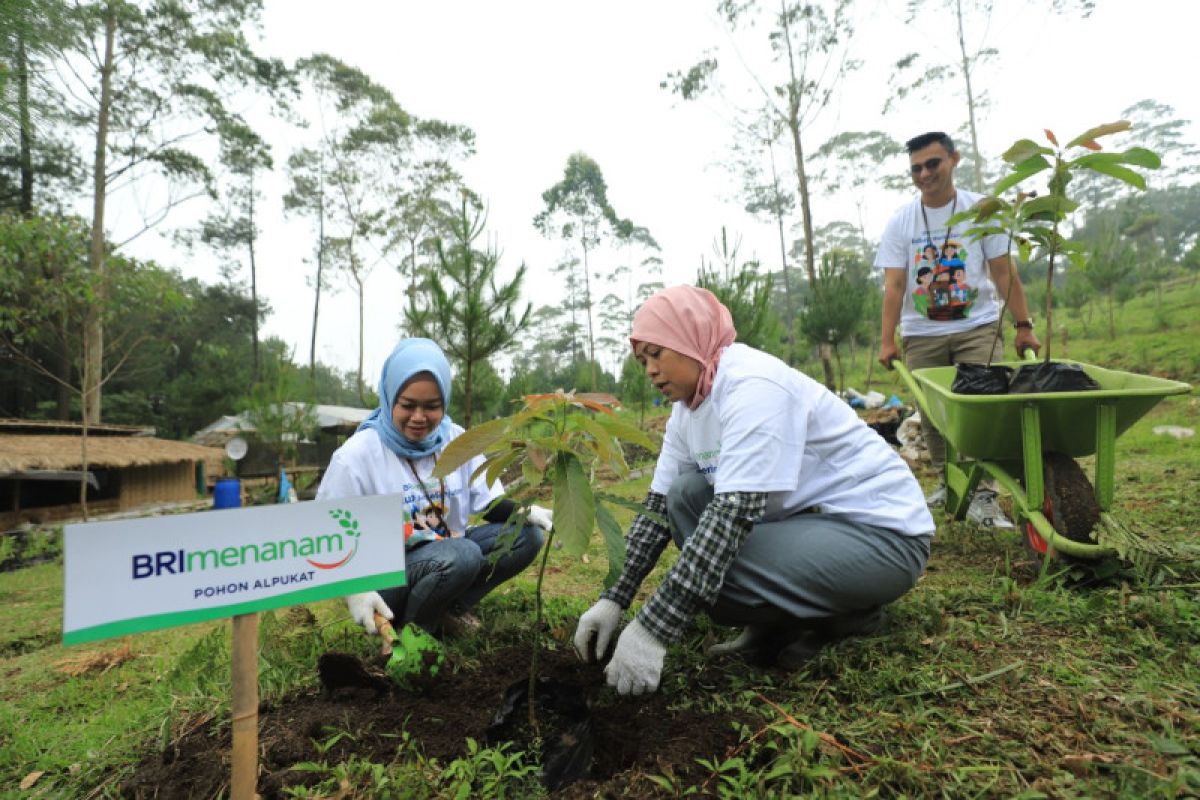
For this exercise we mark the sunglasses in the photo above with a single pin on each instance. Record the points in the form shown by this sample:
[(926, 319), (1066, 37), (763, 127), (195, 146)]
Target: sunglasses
[(930, 165)]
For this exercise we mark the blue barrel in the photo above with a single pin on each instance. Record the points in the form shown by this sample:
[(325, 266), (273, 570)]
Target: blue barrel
[(227, 493)]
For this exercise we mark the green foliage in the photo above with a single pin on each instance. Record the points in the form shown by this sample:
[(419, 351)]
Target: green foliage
[(1035, 223), (556, 441), (835, 306), (279, 420), (746, 293), (464, 309)]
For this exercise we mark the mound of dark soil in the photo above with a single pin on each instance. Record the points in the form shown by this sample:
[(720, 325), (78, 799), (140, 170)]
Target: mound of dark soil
[(633, 736)]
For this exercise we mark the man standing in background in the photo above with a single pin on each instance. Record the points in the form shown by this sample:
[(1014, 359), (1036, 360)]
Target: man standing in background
[(937, 334)]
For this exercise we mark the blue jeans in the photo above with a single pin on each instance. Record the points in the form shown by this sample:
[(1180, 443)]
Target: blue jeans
[(457, 573)]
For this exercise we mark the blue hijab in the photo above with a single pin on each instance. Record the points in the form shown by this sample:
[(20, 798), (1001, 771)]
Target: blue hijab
[(411, 357)]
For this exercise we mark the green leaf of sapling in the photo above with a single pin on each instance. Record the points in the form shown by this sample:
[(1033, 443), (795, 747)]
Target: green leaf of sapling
[(1024, 149), (1123, 174), (614, 544), (472, 442), (574, 505), (1100, 130)]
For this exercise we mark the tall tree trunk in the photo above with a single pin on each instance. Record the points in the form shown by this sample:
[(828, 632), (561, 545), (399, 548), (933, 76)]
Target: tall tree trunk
[(63, 395), (977, 182), (793, 123), (783, 262), (312, 348), (587, 302), (93, 331), (362, 399), (83, 470), (253, 282), (468, 383), (26, 125)]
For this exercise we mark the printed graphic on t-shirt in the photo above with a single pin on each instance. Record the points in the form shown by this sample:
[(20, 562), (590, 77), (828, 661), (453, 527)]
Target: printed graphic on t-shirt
[(940, 290), (428, 510)]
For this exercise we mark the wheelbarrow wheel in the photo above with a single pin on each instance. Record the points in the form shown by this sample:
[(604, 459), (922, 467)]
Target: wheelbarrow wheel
[(1070, 504)]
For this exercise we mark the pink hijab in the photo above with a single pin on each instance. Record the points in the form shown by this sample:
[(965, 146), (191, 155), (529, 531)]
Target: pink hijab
[(690, 321)]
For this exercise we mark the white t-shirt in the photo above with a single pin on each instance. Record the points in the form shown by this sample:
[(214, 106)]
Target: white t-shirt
[(364, 466), (767, 428), (947, 288)]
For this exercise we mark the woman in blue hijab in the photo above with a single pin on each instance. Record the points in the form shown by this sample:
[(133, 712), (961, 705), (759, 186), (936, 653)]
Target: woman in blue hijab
[(394, 452)]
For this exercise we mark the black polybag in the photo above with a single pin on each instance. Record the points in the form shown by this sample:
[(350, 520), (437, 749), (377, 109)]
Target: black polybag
[(981, 379), (567, 750), (1051, 376)]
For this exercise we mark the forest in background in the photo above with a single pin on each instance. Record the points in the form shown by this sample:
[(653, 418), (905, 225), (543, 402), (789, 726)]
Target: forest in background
[(102, 99)]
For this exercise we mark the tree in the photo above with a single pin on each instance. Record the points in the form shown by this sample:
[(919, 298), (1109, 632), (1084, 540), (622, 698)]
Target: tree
[(153, 87), (1156, 127), (765, 195), (833, 312), (234, 227), (308, 195), (852, 160), (635, 388), (745, 292), (1110, 265), (365, 150), (33, 33), (415, 215), (48, 291), (810, 43), (577, 209), (474, 319), (921, 72)]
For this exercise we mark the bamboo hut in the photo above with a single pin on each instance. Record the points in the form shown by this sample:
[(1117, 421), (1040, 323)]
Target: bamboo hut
[(41, 466)]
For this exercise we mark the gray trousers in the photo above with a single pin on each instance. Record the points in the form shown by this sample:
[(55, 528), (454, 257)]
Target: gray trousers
[(808, 567)]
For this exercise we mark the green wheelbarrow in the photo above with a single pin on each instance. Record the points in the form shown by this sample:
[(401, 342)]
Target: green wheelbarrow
[(1029, 443)]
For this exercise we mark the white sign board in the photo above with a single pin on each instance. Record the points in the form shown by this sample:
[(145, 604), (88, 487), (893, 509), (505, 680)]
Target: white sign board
[(139, 575)]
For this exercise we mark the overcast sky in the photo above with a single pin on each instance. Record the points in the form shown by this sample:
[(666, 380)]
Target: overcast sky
[(540, 80)]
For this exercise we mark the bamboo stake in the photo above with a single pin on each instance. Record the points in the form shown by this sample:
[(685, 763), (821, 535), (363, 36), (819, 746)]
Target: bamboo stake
[(244, 778)]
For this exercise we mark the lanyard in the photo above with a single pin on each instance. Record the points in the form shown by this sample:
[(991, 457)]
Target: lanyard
[(928, 237), (420, 482)]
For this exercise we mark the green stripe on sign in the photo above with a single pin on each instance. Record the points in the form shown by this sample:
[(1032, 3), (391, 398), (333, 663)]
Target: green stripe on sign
[(154, 622)]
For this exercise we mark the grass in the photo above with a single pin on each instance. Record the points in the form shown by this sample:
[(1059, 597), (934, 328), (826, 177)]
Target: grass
[(994, 677)]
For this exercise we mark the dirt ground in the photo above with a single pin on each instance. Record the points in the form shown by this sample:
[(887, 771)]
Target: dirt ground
[(633, 736)]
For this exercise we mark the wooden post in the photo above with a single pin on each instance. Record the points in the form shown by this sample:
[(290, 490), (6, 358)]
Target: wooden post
[(244, 715)]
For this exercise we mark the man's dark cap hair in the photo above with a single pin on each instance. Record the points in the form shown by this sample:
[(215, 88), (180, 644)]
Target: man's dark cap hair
[(925, 139)]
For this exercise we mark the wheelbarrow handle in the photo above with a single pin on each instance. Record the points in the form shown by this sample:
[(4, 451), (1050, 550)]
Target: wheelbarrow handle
[(911, 382)]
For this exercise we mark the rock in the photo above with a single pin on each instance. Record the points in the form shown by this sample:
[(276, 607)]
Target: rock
[(1174, 431)]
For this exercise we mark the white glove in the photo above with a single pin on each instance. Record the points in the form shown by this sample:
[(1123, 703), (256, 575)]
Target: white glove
[(363, 607), (542, 517), (637, 663), (601, 620)]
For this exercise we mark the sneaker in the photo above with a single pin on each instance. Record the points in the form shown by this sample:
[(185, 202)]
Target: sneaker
[(937, 498), (986, 512)]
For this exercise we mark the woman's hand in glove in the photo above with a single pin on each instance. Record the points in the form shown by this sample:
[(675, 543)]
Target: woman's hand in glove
[(363, 608)]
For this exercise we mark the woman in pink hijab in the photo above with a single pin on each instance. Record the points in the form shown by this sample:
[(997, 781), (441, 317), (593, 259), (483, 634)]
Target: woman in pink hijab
[(793, 518)]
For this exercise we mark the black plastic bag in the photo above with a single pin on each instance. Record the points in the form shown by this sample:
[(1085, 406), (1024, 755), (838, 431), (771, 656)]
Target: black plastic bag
[(1051, 376), (566, 722), (981, 379)]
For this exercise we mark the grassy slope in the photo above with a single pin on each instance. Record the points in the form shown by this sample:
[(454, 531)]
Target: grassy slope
[(990, 680)]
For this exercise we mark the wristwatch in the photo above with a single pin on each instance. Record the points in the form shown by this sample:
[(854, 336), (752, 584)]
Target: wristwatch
[(1024, 323)]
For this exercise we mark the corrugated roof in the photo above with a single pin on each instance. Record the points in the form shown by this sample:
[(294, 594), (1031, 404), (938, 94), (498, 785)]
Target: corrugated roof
[(19, 453), (222, 430)]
